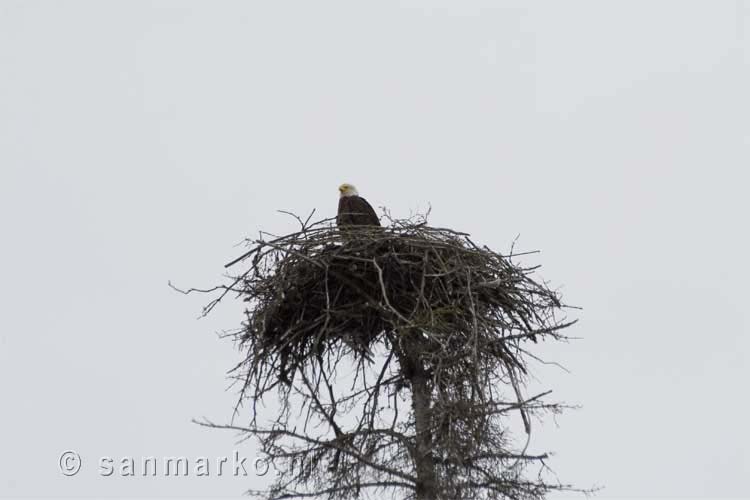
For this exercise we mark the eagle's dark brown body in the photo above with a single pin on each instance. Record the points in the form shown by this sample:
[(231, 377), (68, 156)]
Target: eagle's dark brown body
[(355, 211)]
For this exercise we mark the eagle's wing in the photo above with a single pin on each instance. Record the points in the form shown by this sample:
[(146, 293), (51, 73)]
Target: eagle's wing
[(356, 211), (367, 213)]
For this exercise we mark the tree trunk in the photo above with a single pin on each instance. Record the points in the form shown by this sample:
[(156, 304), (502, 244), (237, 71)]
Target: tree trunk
[(425, 464)]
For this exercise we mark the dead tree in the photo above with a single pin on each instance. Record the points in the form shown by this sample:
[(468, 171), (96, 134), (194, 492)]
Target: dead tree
[(397, 356)]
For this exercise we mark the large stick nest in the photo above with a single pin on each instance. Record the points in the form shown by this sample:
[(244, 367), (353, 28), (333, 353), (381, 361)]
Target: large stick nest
[(435, 313), (410, 285)]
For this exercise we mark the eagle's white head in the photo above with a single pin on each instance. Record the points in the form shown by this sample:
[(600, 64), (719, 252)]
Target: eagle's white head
[(347, 190)]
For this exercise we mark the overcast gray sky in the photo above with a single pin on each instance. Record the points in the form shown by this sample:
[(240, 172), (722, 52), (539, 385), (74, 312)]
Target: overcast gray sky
[(141, 140)]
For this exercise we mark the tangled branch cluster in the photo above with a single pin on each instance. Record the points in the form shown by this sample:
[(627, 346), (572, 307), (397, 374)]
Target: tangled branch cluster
[(434, 326)]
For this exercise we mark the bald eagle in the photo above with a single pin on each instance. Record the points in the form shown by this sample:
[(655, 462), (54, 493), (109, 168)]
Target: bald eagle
[(353, 209)]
